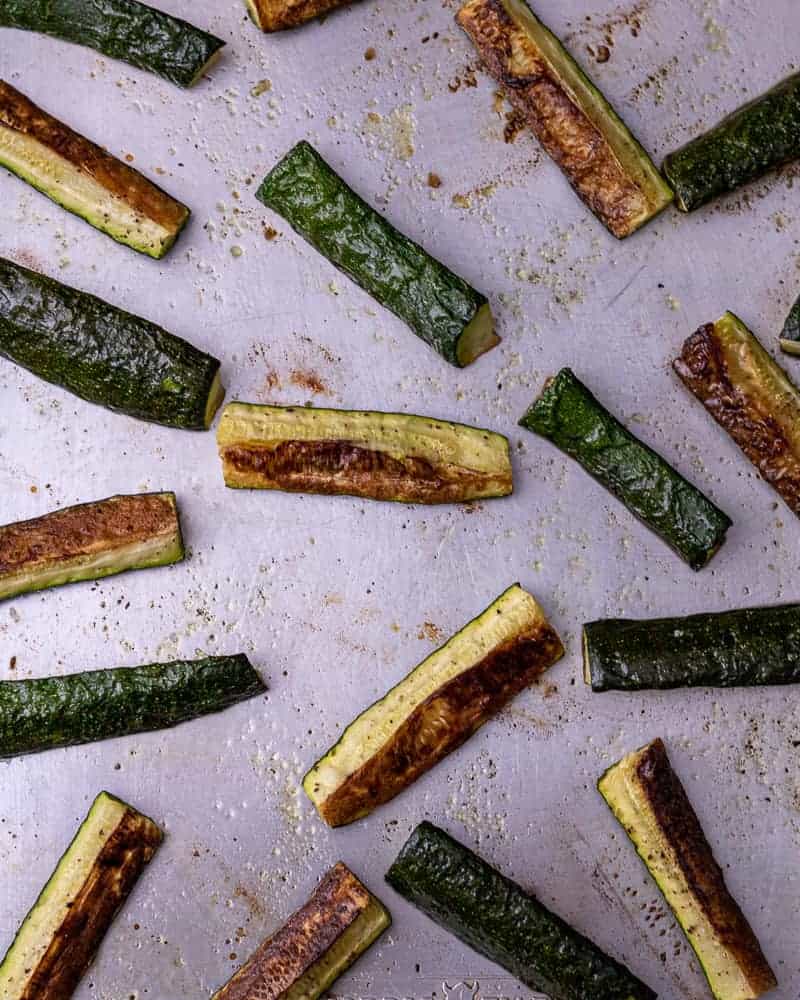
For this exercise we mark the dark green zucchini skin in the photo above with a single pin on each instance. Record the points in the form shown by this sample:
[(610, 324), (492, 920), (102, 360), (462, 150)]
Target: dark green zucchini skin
[(746, 647), (756, 138), (101, 704), (790, 334), (319, 205), (101, 353), (121, 29), (567, 414), (497, 918)]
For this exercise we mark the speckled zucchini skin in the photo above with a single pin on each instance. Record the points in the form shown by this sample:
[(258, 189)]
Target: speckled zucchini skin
[(100, 704), (121, 29), (500, 920), (434, 302), (760, 136), (745, 647), (790, 334), (101, 353), (567, 414)]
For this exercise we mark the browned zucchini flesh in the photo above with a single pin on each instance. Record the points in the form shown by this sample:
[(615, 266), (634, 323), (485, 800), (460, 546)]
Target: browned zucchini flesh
[(433, 710), (85, 179), (575, 124), (750, 396), (89, 541), (316, 944), (648, 799), (275, 15), (60, 935)]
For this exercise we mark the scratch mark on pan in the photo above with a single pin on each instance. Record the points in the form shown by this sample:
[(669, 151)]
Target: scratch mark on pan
[(625, 287), (445, 539)]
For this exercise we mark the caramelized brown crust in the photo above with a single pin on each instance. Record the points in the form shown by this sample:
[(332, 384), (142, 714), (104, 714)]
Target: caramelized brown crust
[(144, 197), (443, 722), (110, 881), (303, 940), (563, 129), (275, 15), (702, 368), (682, 831), (341, 467), (85, 529)]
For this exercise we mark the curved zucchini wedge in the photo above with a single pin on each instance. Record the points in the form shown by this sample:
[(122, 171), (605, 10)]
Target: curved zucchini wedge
[(572, 120), (382, 456), (104, 354), (755, 139), (648, 799), (139, 35), (433, 710), (89, 541), (750, 396), (741, 648), (60, 935), (94, 705), (790, 334), (85, 179), (315, 946), (441, 308), (567, 414), (276, 15), (499, 919)]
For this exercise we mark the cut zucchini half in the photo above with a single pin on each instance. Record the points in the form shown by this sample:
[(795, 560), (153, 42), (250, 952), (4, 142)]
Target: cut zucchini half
[(60, 935), (433, 710), (276, 15), (648, 799), (89, 541), (315, 946), (85, 179), (575, 124), (748, 393), (790, 334), (383, 456)]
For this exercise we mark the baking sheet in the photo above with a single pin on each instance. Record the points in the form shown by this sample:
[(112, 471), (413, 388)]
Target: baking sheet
[(336, 599)]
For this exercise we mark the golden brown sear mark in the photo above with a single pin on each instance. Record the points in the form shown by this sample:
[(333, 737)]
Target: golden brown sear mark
[(275, 15)]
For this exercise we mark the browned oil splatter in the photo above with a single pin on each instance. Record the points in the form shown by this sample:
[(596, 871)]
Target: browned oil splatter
[(270, 233), (253, 903), (310, 380), (430, 632), (370, 54), (629, 17), (515, 123), (434, 180), (28, 259), (466, 78)]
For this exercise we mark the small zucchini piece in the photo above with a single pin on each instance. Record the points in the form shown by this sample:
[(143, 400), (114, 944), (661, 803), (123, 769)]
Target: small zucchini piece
[(60, 935), (383, 456), (500, 920), (572, 120), (567, 414), (435, 708), (85, 179), (101, 704), (755, 139), (745, 647), (104, 354), (315, 946), (750, 396), (89, 541), (441, 308), (790, 334), (139, 35), (275, 15), (648, 799)]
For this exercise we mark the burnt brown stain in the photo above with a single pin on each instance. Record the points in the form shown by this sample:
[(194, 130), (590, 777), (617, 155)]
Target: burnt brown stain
[(307, 935), (85, 529), (621, 18), (254, 905), (275, 15), (113, 875), (681, 829), (567, 134), (703, 370), (443, 721), (430, 632), (515, 123), (309, 380), (341, 467), (144, 197)]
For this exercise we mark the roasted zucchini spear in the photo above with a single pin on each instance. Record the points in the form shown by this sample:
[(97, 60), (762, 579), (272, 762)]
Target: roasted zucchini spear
[(316, 944), (384, 456), (756, 138), (60, 935), (567, 414), (648, 799), (790, 334), (275, 15), (89, 541), (85, 179), (750, 396), (441, 308), (500, 920), (575, 124), (433, 710), (127, 30)]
